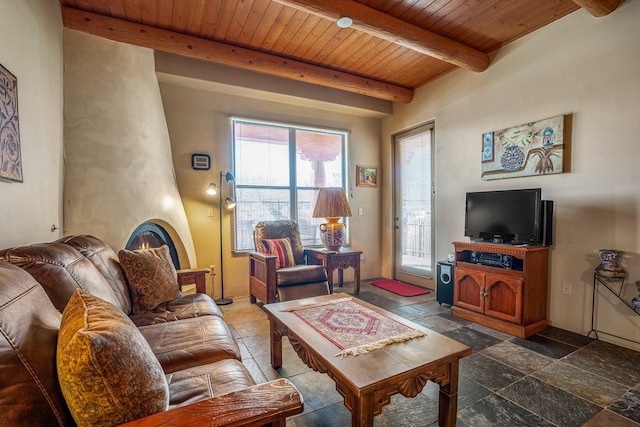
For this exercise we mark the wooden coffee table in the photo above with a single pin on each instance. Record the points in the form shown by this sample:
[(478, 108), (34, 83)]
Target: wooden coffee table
[(368, 381)]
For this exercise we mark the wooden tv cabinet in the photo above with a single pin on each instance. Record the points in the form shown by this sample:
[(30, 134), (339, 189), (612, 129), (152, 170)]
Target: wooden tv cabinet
[(510, 298)]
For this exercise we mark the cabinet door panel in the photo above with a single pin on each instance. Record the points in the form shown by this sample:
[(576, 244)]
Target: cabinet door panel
[(504, 298), (467, 292)]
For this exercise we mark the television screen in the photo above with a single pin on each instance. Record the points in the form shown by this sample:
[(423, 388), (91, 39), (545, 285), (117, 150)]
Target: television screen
[(509, 216)]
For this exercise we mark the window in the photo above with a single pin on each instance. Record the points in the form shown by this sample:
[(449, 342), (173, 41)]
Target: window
[(278, 171)]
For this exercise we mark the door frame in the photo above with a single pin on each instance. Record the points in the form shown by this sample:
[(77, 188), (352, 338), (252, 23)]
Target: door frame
[(427, 279)]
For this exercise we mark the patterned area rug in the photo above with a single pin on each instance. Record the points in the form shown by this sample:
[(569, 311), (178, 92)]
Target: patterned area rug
[(354, 329)]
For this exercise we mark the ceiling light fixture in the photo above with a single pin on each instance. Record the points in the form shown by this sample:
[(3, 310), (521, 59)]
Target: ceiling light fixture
[(344, 22)]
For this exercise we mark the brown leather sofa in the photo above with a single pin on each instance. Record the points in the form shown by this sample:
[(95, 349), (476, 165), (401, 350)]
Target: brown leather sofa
[(208, 384)]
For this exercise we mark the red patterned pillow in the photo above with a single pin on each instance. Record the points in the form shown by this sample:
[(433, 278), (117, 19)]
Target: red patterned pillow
[(282, 249)]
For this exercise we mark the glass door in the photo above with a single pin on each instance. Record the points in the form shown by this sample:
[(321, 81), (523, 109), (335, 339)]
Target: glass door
[(413, 203)]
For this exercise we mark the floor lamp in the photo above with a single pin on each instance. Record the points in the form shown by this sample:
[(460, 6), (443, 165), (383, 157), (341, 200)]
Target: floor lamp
[(226, 203)]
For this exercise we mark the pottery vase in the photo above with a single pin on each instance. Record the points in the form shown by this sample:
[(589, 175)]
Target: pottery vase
[(636, 301), (610, 265), (332, 234)]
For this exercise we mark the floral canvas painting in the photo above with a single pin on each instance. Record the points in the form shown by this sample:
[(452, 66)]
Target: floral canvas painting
[(10, 157), (535, 148)]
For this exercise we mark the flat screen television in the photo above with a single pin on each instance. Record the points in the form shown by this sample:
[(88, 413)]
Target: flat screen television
[(508, 216)]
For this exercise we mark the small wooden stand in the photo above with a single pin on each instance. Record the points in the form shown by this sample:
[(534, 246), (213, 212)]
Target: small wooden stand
[(337, 260), (194, 277)]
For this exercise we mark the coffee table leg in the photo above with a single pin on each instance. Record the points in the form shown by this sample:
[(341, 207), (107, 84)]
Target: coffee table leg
[(276, 345), (362, 414), (448, 402)]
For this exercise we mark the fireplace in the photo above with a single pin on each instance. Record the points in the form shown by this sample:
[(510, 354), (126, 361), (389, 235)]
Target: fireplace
[(151, 235)]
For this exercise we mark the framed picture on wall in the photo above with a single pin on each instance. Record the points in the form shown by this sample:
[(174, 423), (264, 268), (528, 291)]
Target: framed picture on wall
[(366, 176), (10, 152), (532, 149), (200, 162)]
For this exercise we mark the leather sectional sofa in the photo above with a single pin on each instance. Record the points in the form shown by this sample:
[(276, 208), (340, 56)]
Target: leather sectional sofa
[(207, 382)]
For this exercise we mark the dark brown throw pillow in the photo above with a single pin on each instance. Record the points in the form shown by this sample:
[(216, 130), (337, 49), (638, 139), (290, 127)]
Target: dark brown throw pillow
[(107, 371), (151, 277)]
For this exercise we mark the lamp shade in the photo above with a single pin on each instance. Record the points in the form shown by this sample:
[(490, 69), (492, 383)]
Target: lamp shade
[(332, 203), (212, 189), (230, 203)]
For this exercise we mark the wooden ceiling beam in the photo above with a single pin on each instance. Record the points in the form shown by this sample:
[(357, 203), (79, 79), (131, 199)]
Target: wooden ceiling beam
[(221, 53), (598, 8), (390, 28)]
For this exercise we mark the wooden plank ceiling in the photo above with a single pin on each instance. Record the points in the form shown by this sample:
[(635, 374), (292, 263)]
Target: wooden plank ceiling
[(392, 47)]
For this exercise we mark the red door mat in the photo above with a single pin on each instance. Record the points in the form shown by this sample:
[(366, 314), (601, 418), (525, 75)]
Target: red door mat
[(400, 288)]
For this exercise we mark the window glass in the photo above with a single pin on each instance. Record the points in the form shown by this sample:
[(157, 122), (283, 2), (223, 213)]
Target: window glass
[(261, 151), (318, 159), (414, 203), (278, 171), (258, 204)]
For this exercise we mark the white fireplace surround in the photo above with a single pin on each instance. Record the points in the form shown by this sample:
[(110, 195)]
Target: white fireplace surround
[(118, 165)]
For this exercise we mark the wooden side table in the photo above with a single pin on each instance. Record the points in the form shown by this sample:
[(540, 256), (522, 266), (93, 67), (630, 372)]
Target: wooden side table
[(194, 277), (340, 260)]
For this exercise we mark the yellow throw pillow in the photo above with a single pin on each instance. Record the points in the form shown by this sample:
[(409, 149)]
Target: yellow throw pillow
[(107, 371), (151, 277)]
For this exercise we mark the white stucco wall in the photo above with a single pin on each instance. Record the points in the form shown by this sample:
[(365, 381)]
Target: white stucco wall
[(31, 49), (119, 170), (580, 65)]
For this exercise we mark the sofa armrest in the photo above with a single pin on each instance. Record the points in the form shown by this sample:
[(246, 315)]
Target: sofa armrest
[(194, 276), (268, 403)]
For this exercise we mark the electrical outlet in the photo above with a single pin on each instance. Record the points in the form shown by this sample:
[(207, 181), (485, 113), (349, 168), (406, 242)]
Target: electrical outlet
[(212, 269), (359, 211), (566, 288), (361, 257)]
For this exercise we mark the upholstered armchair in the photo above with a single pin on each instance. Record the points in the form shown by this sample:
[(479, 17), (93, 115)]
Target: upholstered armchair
[(278, 268)]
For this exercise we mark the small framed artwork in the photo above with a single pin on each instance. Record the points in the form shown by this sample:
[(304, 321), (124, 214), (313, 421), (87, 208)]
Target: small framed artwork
[(366, 176), (10, 152), (200, 162)]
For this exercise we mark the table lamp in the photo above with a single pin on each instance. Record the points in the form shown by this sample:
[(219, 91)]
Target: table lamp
[(332, 205)]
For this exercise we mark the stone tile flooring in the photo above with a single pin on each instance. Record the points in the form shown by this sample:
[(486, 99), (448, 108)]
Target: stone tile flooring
[(555, 378)]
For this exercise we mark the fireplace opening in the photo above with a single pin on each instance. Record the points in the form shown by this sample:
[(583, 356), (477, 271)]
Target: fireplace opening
[(150, 235)]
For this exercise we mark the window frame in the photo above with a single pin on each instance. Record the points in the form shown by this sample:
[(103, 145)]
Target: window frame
[(293, 188), (408, 273)]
